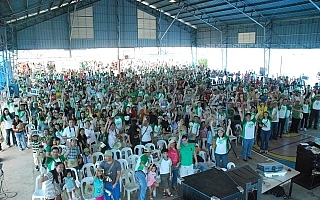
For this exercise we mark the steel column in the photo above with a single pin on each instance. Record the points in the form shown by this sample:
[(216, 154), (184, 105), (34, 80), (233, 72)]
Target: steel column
[(118, 34), (71, 21)]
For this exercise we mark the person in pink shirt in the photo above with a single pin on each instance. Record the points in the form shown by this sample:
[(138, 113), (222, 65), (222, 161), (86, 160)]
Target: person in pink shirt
[(151, 179), (173, 154)]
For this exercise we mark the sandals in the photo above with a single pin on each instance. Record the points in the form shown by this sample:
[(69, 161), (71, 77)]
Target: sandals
[(164, 195), (170, 195), (151, 198)]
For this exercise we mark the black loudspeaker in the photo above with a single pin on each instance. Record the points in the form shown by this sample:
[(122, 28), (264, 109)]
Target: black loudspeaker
[(211, 184), (126, 57), (14, 90), (249, 180)]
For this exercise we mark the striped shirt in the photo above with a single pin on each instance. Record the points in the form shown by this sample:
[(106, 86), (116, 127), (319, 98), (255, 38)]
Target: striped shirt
[(52, 188), (35, 145)]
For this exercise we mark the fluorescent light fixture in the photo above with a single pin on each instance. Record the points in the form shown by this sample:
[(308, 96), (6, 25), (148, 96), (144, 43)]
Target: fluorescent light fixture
[(172, 1)]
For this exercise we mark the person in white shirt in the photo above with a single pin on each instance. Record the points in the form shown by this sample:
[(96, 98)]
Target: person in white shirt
[(146, 131), (7, 119), (165, 173), (70, 131), (88, 130), (275, 120)]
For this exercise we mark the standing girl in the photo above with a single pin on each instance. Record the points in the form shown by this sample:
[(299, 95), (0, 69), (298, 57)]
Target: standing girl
[(7, 119), (151, 179), (70, 184), (265, 124), (98, 184)]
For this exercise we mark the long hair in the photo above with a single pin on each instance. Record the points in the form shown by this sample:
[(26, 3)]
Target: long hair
[(4, 116), (55, 174)]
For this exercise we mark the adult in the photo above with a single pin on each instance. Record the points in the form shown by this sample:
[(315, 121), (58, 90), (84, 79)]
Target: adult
[(306, 107), (145, 131), (187, 152), (7, 119), (315, 112), (265, 123), (54, 141), (296, 116), (220, 145), (103, 140), (53, 181), (54, 158), (274, 114), (134, 134), (18, 129), (248, 133), (174, 155), (70, 131), (141, 171), (112, 169), (72, 153)]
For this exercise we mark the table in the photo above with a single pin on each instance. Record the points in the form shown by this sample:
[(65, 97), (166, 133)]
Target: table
[(269, 183)]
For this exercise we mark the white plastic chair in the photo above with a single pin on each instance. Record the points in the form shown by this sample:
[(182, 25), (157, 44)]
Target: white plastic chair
[(126, 152), (87, 185), (130, 184), (124, 139), (123, 163), (138, 150), (39, 192), (29, 128), (151, 146), (116, 153), (231, 165), (132, 161), (88, 170), (232, 137), (161, 144), (98, 157), (204, 143), (155, 155), (203, 155)]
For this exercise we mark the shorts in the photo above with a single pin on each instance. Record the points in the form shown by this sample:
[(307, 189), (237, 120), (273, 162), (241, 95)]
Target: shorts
[(165, 181), (70, 189)]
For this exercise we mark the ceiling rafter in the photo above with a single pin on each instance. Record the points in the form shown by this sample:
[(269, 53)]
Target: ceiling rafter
[(39, 7), (9, 6)]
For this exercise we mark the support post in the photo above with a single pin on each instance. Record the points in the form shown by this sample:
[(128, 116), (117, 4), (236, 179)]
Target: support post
[(118, 34), (71, 20)]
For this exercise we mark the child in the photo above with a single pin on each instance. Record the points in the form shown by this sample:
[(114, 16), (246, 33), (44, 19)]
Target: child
[(36, 149), (87, 157), (165, 173), (151, 179), (70, 184), (98, 184)]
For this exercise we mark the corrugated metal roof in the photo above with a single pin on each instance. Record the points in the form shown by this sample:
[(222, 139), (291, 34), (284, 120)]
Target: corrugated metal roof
[(224, 12)]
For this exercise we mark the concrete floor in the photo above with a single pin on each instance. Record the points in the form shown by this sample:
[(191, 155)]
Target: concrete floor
[(19, 173)]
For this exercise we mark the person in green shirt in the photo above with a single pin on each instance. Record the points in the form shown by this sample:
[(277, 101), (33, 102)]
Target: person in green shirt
[(187, 152), (296, 112), (54, 158), (140, 172)]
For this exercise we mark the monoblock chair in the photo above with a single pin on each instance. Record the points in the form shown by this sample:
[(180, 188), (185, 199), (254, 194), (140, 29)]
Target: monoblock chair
[(29, 128), (39, 191), (151, 146), (130, 184), (116, 153), (132, 161), (231, 165), (87, 188), (97, 156), (162, 144), (88, 170), (126, 152), (138, 150), (124, 166)]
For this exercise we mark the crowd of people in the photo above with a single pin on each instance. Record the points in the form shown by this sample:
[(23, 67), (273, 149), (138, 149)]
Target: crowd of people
[(192, 109)]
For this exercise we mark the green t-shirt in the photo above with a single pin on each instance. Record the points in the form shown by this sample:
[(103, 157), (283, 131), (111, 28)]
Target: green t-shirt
[(296, 114), (186, 153), (143, 159), (50, 161)]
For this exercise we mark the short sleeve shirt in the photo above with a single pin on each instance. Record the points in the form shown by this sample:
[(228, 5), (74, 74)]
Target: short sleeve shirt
[(186, 153), (110, 170)]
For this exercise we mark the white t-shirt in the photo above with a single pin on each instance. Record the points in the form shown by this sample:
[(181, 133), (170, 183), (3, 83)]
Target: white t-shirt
[(146, 133), (249, 129), (267, 124), (70, 132), (283, 112), (165, 166), (112, 137), (90, 135), (7, 122)]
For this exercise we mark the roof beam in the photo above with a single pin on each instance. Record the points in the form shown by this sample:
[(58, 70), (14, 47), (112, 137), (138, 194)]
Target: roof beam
[(60, 4), (314, 4), (50, 6), (155, 12), (33, 20), (9, 6), (39, 7), (245, 14), (176, 17)]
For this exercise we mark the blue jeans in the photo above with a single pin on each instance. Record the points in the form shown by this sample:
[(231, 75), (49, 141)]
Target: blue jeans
[(141, 179), (221, 158), (201, 166), (21, 140), (247, 145), (286, 125), (8, 133), (175, 171), (265, 136), (274, 129), (114, 191)]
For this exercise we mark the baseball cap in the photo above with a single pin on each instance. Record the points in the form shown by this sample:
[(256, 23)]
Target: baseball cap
[(108, 153)]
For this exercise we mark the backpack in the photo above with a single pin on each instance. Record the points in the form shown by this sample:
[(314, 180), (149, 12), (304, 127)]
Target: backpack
[(278, 191)]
